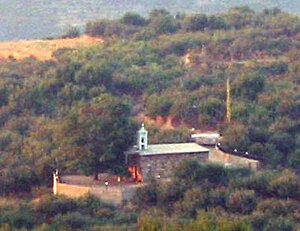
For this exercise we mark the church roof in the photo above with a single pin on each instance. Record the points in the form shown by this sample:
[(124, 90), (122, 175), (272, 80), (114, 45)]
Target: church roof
[(172, 148)]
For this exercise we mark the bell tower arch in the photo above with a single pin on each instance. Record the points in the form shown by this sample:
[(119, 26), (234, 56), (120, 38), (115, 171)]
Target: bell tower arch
[(142, 138)]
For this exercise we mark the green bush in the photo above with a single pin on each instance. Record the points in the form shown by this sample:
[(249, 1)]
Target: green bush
[(6, 138), (156, 221), (73, 32), (281, 224), (73, 221), (18, 217), (147, 196), (213, 174), (194, 199), (134, 19), (196, 22), (94, 206), (207, 175), (278, 68), (17, 179), (258, 220), (149, 223), (286, 185), (50, 205), (259, 182), (188, 172), (217, 23), (294, 160), (275, 208), (169, 193), (208, 220), (217, 197), (242, 201), (238, 173)]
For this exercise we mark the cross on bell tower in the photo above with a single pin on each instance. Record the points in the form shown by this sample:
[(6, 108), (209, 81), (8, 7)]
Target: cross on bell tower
[(142, 138)]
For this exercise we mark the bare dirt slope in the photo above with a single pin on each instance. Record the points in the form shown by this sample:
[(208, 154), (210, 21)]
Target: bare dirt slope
[(42, 49)]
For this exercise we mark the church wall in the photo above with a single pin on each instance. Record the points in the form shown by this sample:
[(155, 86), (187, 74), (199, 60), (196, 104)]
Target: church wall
[(164, 165)]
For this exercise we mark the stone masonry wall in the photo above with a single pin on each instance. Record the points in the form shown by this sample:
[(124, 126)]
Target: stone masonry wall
[(164, 165)]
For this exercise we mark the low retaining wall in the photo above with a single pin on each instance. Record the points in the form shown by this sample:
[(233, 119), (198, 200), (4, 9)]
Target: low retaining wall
[(111, 194), (217, 156), (73, 191)]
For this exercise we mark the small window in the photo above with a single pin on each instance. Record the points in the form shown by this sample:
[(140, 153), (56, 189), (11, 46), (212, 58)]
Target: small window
[(142, 140), (143, 147)]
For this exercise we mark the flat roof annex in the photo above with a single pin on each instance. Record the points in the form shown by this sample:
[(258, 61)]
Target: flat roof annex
[(206, 135), (172, 148)]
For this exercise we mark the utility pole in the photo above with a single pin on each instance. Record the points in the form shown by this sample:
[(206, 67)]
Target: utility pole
[(228, 101)]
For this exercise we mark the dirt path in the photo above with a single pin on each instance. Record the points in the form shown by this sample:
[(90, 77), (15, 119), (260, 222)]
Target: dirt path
[(163, 123)]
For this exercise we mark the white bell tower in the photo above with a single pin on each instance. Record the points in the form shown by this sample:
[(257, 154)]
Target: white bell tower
[(142, 138)]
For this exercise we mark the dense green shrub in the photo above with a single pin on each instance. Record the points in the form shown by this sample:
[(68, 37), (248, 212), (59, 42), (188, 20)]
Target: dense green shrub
[(17, 217), (188, 172), (286, 185), (169, 193), (275, 207), (258, 220), (93, 206), (281, 224), (214, 221), (147, 196), (161, 21), (193, 200), (134, 19), (242, 201), (278, 68), (51, 205), (72, 32), (73, 221), (196, 22), (150, 223), (19, 180), (216, 23), (217, 197), (259, 182), (207, 175), (294, 160)]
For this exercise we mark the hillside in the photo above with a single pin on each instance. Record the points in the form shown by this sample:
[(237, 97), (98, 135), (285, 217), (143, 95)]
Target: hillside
[(167, 71), (80, 111), (39, 19)]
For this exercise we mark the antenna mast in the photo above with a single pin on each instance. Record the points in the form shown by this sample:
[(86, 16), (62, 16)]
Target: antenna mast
[(228, 102)]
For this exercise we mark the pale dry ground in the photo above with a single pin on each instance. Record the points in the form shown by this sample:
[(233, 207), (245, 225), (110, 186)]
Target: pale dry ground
[(163, 123), (42, 49), (8, 201)]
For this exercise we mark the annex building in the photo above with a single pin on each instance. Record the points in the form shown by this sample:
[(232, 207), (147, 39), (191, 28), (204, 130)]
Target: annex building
[(159, 160)]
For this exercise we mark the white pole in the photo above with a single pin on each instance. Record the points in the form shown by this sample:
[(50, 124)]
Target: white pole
[(55, 183)]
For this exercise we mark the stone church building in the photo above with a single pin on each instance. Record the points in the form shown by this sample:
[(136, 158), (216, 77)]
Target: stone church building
[(159, 160)]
